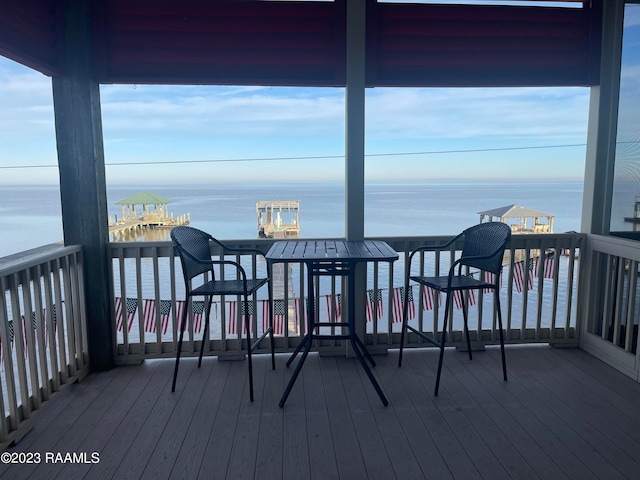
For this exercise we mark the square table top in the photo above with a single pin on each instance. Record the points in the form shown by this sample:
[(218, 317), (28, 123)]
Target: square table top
[(331, 251)]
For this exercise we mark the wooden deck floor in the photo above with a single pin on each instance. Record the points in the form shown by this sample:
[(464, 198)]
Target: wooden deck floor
[(562, 414)]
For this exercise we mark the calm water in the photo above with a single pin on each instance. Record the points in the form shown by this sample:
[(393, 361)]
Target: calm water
[(31, 215)]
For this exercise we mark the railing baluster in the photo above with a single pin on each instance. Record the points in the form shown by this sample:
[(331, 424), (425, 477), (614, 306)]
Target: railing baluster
[(18, 341), (632, 279), (26, 280), (156, 299), (50, 328), (140, 300), (63, 354), (43, 381), (71, 309), (9, 368)]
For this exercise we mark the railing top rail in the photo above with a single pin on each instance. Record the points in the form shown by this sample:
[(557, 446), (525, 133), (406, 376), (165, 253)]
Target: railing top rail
[(618, 246), (37, 256), (517, 239)]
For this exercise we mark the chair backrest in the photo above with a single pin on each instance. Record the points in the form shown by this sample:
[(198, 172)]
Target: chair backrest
[(192, 243), (489, 238)]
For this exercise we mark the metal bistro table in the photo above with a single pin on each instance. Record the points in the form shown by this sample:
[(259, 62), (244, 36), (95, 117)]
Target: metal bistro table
[(331, 258)]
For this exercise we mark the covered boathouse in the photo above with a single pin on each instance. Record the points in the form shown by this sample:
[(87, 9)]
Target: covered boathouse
[(153, 213), (521, 219)]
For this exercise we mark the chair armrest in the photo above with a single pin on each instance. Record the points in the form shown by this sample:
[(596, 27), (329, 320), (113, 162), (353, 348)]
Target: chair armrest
[(211, 262), (227, 248), (429, 248)]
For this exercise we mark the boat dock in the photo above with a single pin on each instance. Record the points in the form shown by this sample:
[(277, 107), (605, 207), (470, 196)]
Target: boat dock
[(278, 218)]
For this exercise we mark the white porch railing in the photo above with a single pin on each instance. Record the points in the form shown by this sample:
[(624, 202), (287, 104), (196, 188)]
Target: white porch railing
[(611, 333), (43, 335), (538, 303)]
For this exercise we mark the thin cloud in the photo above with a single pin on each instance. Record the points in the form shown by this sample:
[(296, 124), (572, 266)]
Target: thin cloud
[(476, 112), (209, 113), (27, 104)]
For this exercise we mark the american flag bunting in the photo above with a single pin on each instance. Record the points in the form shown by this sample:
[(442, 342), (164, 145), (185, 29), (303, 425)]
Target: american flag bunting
[(197, 306), (458, 298), (336, 301), (245, 312), (519, 274), (279, 315), (131, 305), (374, 304), (428, 297), (149, 314), (180, 308), (547, 265), (398, 304), (489, 277), (296, 307), (165, 310)]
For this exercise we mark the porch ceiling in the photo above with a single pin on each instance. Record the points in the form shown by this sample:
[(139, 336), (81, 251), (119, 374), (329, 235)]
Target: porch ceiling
[(304, 42)]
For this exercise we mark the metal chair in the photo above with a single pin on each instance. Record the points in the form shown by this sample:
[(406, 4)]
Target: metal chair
[(483, 249), (194, 249)]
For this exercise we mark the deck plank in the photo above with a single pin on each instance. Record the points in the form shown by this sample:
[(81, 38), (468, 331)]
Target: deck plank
[(563, 415), (181, 416), (323, 463), (125, 441), (364, 409), (419, 440), (132, 384), (242, 463), (55, 420), (269, 456), (191, 453), (496, 446), (217, 455), (536, 399), (613, 443), (498, 406), (346, 446), (420, 383), (296, 462)]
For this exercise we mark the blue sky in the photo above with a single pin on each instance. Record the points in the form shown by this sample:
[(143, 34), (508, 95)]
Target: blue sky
[(228, 134)]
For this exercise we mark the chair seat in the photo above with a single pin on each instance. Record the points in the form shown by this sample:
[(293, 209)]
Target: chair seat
[(228, 287), (462, 282)]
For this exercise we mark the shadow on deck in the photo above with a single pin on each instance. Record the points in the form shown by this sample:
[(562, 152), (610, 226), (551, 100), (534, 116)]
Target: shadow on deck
[(562, 414)]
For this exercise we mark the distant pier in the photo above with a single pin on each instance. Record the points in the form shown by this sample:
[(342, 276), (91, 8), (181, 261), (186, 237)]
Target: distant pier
[(278, 218), (636, 215)]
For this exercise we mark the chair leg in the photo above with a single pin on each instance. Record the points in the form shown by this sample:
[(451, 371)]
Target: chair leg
[(247, 325), (504, 361), (182, 326), (205, 335), (465, 314), (443, 342), (273, 350), (404, 320)]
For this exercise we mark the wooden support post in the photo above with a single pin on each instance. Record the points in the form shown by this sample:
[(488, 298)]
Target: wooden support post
[(354, 161), (76, 99), (602, 127)]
